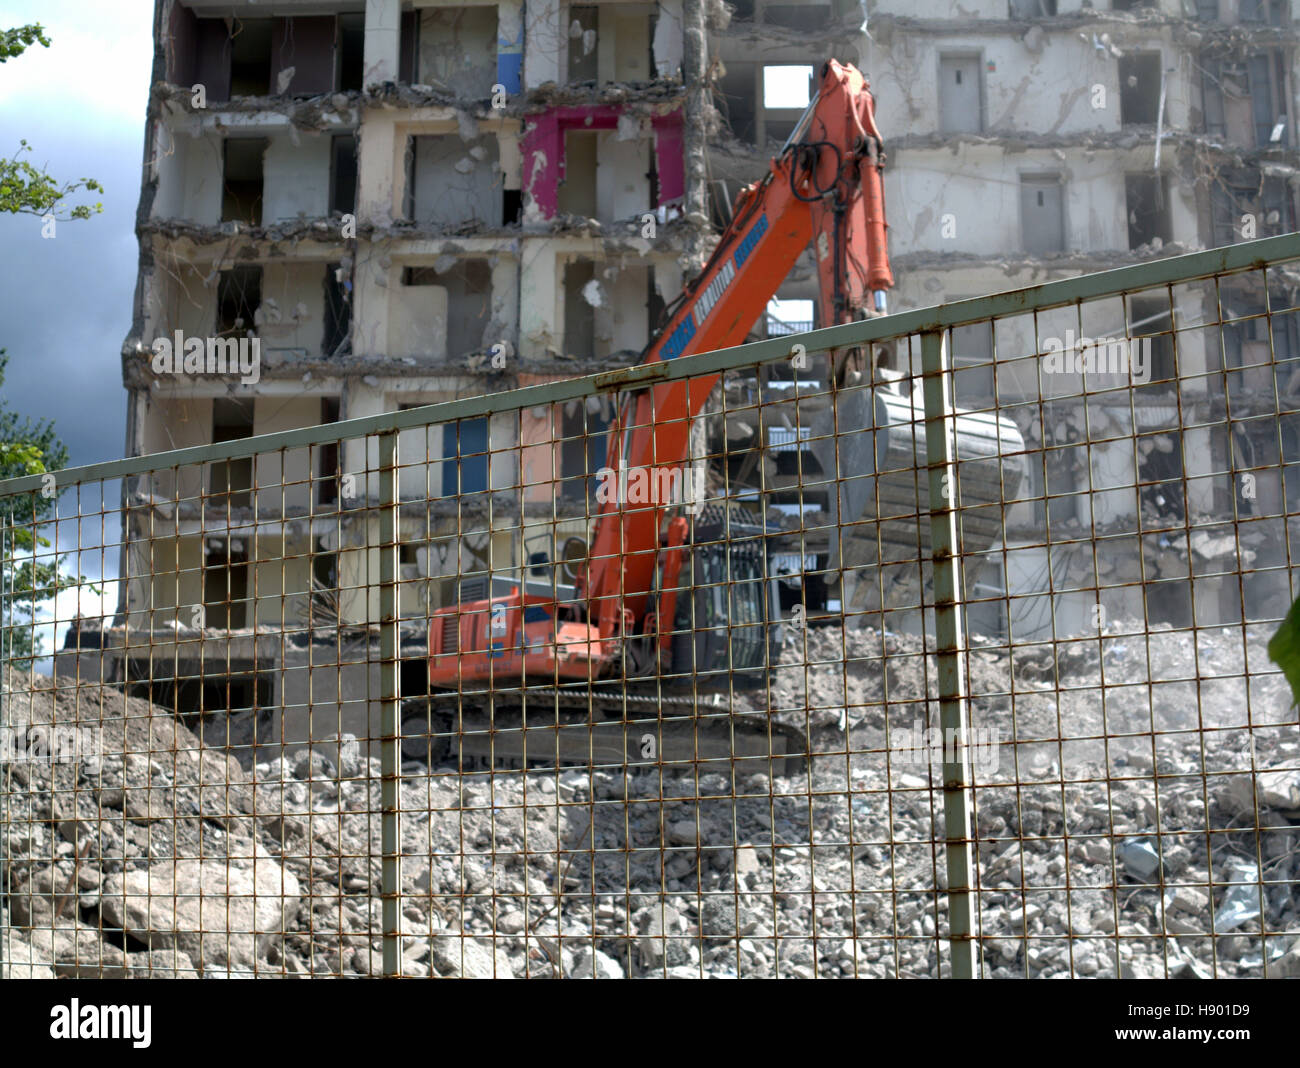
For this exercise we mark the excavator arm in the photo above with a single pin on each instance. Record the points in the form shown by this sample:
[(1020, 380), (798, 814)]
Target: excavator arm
[(824, 187)]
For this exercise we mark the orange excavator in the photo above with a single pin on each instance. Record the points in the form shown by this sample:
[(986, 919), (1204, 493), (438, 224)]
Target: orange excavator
[(630, 664)]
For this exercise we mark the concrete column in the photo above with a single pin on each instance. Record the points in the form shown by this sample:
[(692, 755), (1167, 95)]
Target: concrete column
[(545, 52), (383, 40), (539, 299), (380, 180), (694, 138), (510, 44), (667, 43)]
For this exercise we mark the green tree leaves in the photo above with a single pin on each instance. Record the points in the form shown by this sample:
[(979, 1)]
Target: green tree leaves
[(26, 189)]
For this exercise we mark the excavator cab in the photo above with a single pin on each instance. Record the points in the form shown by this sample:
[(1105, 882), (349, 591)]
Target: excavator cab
[(721, 630)]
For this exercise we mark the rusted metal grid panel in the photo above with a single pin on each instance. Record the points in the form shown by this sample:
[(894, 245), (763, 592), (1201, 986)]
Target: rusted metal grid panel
[(322, 751), (192, 776), (1134, 751)]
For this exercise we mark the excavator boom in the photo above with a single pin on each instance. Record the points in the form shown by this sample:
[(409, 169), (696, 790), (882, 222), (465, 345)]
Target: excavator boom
[(824, 187)]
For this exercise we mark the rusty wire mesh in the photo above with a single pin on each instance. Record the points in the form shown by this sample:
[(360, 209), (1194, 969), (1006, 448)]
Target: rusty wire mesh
[(212, 782)]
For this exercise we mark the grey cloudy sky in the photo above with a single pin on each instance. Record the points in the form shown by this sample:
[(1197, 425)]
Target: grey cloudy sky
[(65, 303)]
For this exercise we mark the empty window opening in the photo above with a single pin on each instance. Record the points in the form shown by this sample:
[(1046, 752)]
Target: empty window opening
[(194, 695), (734, 97), (408, 46), (225, 584), (512, 207), (788, 317), (577, 192), (582, 449), (1147, 196), (351, 51), (239, 295), (324, 566), (230, 481), (960, 107), (1245, 338), (786, 92), (787, 87), (654, 303), (1267, 12), (250, 57), (338, 311), (798, 16), (584, 28), (1244, 101), (465, 460), (302, 55), (458, 50), (972, 359), (1042, 214), (1149, 317), (1212, 94), (241, 192), (1139, 88), (327, 456), (1207, 10), (742, 10), (1267, 77), (1032, 9), (579, 311), (451, 183), (1244, 204), (469, 292), (343, 174), (198, 52)]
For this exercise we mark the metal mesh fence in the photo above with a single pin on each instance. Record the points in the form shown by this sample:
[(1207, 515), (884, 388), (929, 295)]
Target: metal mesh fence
[(933, 645)]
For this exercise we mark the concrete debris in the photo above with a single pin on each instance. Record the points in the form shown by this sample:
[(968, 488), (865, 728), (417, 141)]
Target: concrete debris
[(1241, 902), (629, 127), (227, 912), (594, 294), (1278, 790), (466, 126), (591, 963), (1139, 857), (456, 957), (1288, 965), (595, 873)]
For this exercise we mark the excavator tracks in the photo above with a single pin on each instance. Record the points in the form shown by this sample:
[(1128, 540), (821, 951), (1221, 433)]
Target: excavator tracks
[(612, 729)]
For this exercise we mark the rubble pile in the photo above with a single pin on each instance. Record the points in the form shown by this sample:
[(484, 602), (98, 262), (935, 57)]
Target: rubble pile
[(158, 855)]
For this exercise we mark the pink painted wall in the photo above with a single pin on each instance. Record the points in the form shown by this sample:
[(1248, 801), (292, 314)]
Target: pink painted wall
[(543, 151)]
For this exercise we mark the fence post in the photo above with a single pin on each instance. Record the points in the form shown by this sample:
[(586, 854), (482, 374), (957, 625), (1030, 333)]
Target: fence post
[(390, 707), (949, 648)]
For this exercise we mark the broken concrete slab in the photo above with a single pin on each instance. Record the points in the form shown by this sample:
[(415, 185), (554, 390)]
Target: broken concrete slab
[(223, 912), (456, 956)]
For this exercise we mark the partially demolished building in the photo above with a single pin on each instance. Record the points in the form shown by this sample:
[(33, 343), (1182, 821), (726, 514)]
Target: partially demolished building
[(406, 202)]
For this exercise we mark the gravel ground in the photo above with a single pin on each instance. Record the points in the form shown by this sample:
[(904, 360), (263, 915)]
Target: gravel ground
[(161, 856)]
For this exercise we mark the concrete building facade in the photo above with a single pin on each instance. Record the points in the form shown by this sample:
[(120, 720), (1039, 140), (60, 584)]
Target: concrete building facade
[(1038, 139), (407, 202)]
